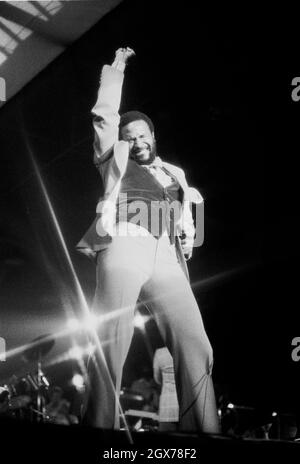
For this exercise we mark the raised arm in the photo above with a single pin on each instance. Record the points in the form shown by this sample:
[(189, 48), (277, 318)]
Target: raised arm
[(106, 110)]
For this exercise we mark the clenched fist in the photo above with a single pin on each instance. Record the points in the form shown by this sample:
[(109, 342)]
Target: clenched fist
[(123, 54)]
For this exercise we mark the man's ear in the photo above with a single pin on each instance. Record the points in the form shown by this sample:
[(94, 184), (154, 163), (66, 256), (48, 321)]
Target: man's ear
[(153, 135)]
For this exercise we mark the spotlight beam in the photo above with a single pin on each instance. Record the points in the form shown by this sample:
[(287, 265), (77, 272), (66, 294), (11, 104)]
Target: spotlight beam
[(81, 297)]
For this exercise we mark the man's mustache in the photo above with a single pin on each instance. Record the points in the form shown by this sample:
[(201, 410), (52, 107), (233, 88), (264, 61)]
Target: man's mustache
[(135, 151)]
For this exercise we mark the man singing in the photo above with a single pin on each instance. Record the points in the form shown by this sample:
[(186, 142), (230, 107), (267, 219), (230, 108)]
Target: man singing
[(143, 260)]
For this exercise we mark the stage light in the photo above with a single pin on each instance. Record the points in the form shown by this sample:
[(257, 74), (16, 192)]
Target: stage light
[(45, 381), (78, 381), (230, 406), (91, 322), (274, 414), (90, 349), (73, 324), (139, 321), (219, 412), (80, 294), (76, 352)]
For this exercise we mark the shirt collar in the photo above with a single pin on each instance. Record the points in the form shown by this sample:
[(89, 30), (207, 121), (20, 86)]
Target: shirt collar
[(156, 163)]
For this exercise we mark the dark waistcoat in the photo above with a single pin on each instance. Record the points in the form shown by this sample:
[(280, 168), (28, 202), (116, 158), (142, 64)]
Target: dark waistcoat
[(145, 202)]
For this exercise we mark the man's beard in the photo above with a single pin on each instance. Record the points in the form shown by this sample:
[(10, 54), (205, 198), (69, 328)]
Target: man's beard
[(151, 158)]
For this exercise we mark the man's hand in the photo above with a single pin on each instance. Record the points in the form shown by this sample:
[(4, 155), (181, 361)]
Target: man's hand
[(123, 54), (187, 246)]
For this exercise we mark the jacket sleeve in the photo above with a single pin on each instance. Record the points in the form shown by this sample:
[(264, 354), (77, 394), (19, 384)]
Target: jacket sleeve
[(191, 196), (106, 113)]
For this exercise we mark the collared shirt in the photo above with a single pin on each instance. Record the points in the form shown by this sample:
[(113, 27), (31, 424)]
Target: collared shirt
[(156, 169)]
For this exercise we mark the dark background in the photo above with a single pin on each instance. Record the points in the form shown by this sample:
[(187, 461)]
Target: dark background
[(218, 90)]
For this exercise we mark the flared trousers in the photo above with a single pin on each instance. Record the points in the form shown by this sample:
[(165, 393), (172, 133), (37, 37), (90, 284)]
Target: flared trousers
[(145, 268)]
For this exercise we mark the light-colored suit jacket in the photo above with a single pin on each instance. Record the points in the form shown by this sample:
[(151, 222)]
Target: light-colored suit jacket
[(111, 157)]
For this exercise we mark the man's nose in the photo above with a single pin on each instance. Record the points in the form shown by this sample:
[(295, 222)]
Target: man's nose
[(137, 143)]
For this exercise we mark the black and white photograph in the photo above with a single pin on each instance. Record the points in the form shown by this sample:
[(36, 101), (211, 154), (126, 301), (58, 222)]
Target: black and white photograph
[(149, 232)]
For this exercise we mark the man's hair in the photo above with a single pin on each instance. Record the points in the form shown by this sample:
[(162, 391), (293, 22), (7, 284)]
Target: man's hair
[(131, 116)]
